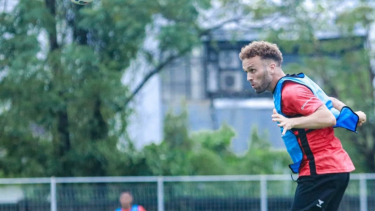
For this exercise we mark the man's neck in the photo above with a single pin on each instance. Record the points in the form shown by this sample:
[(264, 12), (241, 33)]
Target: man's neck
[(276, 77)]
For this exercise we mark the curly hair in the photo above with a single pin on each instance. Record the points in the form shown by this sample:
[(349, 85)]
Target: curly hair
[(263, 49)]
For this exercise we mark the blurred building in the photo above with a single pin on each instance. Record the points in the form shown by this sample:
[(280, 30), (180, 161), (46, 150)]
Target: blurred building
[(212, 85)]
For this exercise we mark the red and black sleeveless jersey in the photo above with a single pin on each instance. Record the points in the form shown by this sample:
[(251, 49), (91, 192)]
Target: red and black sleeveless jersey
[(323, 152)]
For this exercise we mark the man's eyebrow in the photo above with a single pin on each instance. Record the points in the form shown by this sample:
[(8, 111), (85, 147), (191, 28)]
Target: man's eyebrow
[(250, 67)]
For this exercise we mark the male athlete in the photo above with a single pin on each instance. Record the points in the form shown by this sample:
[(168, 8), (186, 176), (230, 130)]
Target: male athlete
[(306, 117), (126, 200)]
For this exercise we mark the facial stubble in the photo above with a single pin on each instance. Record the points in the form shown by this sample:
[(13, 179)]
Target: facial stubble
[(265, 83)]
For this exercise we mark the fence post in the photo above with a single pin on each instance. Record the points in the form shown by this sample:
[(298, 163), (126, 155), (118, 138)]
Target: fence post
[(362, 192), (263, 193), (160, 194), (53, 194)]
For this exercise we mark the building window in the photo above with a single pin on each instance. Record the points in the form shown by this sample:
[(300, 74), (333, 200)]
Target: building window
[(228, 59), (225, 77), (176, 80)]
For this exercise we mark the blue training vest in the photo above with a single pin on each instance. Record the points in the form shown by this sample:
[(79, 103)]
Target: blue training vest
[(134, 208), (345, 118)]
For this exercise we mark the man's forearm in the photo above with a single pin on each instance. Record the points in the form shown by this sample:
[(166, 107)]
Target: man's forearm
[(337, 104), (321, 118)]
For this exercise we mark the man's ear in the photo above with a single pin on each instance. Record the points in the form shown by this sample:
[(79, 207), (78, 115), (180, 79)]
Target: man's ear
[(272, 68)]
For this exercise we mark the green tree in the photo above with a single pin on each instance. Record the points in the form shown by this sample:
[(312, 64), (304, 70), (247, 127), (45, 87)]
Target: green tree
[(262, 159), (170, 156), (61, 91), (63, 66), (208, 152), (212, 153)]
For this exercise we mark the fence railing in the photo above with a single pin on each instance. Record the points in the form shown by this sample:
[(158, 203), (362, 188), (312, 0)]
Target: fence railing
[(170, 193)]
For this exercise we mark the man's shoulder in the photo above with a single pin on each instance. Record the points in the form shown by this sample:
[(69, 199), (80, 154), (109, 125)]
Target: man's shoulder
[(291, 84), (291, 87)]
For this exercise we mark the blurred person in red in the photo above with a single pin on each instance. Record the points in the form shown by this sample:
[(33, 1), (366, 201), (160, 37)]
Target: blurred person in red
[(126, 201)]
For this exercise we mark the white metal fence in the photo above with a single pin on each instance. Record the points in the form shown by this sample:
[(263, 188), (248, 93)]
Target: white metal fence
[(185, 193)]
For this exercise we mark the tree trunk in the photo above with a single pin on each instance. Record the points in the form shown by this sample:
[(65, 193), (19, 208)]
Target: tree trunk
[(99, 129), (62, 144), (51, 5)]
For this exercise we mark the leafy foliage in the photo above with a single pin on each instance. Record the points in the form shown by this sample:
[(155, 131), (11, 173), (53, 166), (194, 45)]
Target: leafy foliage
[(209, 153), (62, 92), (62, 101)]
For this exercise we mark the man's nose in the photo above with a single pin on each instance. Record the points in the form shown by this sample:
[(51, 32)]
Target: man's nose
[(249, 77)]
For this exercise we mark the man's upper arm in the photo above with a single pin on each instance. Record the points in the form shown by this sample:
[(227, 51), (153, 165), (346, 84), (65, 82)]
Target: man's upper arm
[(140, 208), (297, 99)]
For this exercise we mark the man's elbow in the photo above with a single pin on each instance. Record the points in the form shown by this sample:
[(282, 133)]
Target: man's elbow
[(329, 118)]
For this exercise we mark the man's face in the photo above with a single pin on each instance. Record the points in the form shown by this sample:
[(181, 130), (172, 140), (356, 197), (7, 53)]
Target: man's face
[(257, 73), (126, 200)]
